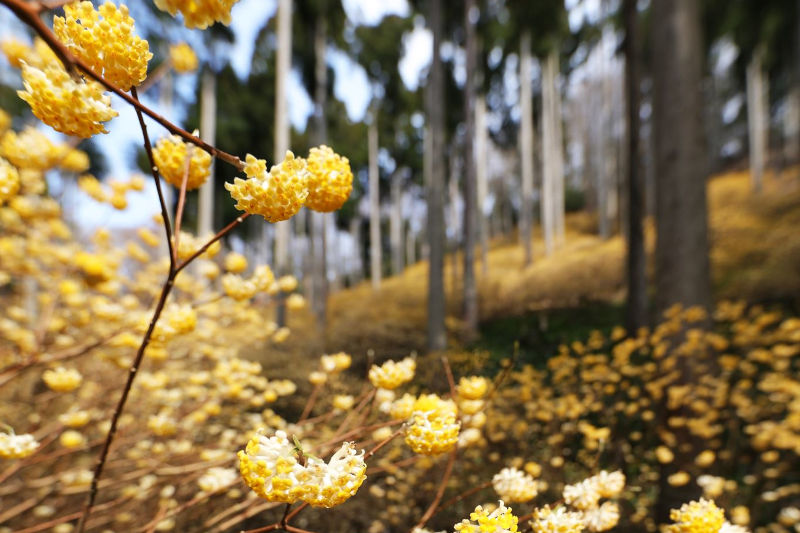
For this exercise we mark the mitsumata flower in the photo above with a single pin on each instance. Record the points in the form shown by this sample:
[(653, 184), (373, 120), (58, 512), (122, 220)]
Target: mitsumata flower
[(274, 469), (199, 13), (170, 155), (104, 39), (330, 179), (17, 446), (276, 195), (500, 520), (73, 107)]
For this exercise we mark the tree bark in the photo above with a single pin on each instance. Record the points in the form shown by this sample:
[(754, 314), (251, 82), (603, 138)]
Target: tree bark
[(282, 229), (549, 164), (318, 240), (374, 205), (437, 335), (481, 154), (636, 312), (682, 263), (526, 147), (470, 189), (208, 132), (757, 118), (396, 224), (559, 227)]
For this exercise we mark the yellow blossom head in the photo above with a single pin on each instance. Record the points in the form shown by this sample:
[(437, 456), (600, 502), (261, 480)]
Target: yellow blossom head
[(183, 58), (73, 107), (170, 155), (199, 13), (276, 195), (330, 179)]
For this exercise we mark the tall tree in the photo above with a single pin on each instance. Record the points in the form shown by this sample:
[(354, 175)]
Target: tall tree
[(283, 64), (682, 262), (434, 110), (636, 311), (208, 132), (376, 261), (470, 190), (757, 117), (526, 146)]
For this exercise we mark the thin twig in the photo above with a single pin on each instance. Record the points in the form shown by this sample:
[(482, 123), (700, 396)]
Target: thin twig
[(181, 204), (148, 148), (439, 493), (449, 373), (312, 398), (221, 233)]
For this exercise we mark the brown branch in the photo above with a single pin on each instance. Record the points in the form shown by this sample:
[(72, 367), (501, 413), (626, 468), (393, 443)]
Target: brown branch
[(449, 373), (154, 169), (221, 233), (439, 493), (98, 471), (312, 398), (181, 204), (29, 14)]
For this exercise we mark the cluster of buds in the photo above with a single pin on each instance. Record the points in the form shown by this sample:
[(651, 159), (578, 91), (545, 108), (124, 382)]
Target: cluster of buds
[(514, 485), (391, 374)]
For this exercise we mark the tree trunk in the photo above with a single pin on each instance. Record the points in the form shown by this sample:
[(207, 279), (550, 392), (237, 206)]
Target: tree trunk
[(411, 247), (682, 263), (396, 224), (374, 205), (282, 229), (470, 189), (437, 335), (636, 312), (549, 164), (481, 153), (357, 265), (318, 237), (757, 118), (559, 227), (208, 132), (526, 147), (452, 213)]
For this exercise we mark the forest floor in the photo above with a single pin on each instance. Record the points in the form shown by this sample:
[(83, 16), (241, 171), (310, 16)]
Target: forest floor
[(755, 255)]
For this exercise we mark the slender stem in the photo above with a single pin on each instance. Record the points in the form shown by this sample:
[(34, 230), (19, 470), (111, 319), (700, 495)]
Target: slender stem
[(181, 204), (383, 443), (294, 513), (440, 492), (132, 371), (458, 497), (154, 169), (312, 398), (221, 233), (449, 373), (29, 14)]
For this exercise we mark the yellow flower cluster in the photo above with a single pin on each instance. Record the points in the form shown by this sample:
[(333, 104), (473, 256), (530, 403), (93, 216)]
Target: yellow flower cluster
[(473, 387), (500, 520), (276, 195), (9, 181), (391, 374), (170, 155), (40, 55), (235, 262), (108, 46), (271, 467), (335, 363), (330, 180), (17, 446), (217, 478), (62, 379), (697, 517), (514, 485), (239, 288), (183, 58), (432, 433), (558, 520), (30, 149), (72, 107), (199, 13)]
